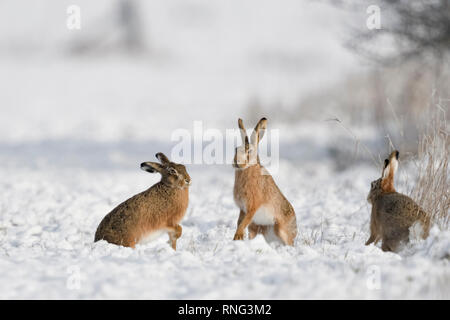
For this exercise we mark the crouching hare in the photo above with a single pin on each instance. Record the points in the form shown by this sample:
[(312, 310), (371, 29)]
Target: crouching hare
[(393, 213), (152, 212), (263, 208)]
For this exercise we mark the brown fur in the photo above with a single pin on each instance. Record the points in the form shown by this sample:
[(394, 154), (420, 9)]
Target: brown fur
[(161, 207), (254, 188), (387, 181), (393, 213)]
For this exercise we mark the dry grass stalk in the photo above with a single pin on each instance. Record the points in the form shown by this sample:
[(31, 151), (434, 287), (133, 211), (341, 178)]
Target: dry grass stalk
[(431, 189)]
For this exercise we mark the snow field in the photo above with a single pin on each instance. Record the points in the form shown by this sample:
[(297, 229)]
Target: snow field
[(48, 223)]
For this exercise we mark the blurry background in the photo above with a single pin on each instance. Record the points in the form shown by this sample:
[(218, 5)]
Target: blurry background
[(138, 70)]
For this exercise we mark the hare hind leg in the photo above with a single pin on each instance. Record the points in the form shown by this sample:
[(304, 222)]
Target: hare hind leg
[(389, 245), (394, 238), (174, 234), (285, 234), (426, 228), (253, 230)]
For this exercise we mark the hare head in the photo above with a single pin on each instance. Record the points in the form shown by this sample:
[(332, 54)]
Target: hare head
[(173, 174), (385, 184), (247, 154)]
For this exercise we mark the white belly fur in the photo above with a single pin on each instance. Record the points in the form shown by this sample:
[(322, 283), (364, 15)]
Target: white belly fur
[(264, 216), (270, 236), (152, 236)]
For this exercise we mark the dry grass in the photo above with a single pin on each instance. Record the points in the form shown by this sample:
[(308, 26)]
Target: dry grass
[(431, 188)]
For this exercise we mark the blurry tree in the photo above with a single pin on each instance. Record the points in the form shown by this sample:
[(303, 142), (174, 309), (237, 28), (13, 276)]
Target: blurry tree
[(119, 29), (415, 33), (130, 23), (414, 28), (410, 76)]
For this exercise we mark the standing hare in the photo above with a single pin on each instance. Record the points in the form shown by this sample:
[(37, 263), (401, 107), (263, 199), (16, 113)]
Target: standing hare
[(152, 212), (393, 213), (263, 208)]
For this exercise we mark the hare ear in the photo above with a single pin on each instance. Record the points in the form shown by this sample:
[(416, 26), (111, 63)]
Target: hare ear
[(162, 158), (151, 167), (172, 171), (242, 130), (259, 131), (247, 145), (390, 168), (385, 170)]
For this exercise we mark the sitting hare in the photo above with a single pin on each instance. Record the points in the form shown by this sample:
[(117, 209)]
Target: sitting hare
[(152, 212), (263, 208), (393, 213)]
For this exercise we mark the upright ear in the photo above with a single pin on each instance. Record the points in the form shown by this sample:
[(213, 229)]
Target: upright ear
[(259, 131), (162, 158), (390, 168), (151, 167), (247, 145), (242, 130)]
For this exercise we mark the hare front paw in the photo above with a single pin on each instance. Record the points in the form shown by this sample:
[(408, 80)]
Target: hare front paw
[(239, 236)]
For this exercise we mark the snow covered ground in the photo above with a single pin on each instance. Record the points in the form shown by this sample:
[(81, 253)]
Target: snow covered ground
[(73, 131), (50, 213)]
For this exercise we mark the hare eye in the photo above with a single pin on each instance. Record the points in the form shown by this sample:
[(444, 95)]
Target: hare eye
[(172, 171)]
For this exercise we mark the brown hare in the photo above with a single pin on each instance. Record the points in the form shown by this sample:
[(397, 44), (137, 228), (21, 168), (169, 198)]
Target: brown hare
[(263, 208), (393, 213), (152, 212)]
